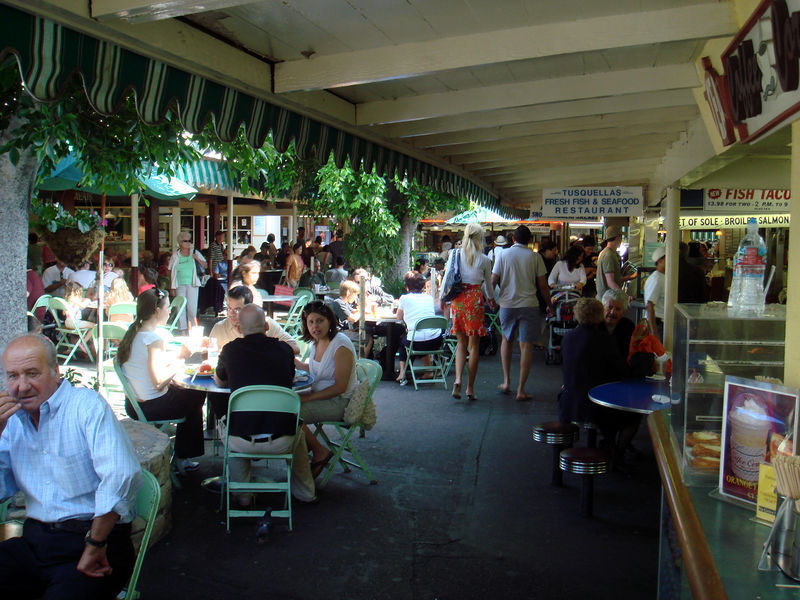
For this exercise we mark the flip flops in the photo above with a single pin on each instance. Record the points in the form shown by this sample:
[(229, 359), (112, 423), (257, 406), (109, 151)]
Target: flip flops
[(318, 465)]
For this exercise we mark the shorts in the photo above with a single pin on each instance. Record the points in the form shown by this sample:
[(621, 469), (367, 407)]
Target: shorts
[(527, 320)]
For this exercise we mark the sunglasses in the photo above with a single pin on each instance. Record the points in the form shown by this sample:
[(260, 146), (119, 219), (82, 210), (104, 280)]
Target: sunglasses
[(159, 293)]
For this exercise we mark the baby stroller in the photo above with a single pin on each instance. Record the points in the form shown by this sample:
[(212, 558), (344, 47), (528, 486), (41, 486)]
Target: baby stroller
[(564, 300)]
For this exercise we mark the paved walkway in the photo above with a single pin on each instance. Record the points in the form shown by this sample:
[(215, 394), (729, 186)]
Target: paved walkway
[(463, 509)]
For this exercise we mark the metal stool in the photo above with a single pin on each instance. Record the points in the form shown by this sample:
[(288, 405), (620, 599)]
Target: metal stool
[(560, 436), (586, 462)]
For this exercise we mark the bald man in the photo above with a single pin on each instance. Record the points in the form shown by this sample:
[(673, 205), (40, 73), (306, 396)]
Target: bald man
[(256, 359), (65, 449)]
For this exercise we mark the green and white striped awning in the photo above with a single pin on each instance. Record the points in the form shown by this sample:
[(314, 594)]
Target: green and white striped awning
[(49, 54), (209, 174)]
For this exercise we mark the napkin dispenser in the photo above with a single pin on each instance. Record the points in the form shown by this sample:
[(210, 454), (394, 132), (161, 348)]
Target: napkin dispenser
[(783, 543)]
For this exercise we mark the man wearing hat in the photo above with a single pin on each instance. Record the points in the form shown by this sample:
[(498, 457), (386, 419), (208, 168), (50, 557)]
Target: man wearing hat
[(499, 244), (654, 293), (609, 264)]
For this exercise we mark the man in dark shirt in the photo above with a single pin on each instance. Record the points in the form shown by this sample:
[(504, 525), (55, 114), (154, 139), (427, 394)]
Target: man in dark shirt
[(692, 286), (256, 359)]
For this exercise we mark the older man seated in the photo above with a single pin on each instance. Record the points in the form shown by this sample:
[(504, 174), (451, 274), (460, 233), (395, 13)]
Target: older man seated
[(615, 305), (229, 329), (65, 449), (256, 359)]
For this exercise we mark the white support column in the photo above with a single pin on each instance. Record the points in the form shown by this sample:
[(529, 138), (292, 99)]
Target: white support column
[(791, 374), (672, 224), (231, 223), (134, 230)]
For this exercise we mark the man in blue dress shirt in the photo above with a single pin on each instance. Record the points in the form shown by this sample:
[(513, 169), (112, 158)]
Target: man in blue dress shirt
[(76, 465)]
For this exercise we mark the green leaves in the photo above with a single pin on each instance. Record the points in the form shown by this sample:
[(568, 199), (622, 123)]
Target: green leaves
[(53, 216)]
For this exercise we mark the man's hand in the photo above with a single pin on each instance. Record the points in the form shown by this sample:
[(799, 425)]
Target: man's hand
[(94, 562), (8, 406), (493, 304)]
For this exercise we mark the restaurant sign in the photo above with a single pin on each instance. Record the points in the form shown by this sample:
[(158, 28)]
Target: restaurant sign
[(762, 69), (737, 200), (591, 203), (704, 221)]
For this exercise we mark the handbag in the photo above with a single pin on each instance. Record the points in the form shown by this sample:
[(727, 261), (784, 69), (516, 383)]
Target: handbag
[(452, 286), (361, 408), (201, 273)]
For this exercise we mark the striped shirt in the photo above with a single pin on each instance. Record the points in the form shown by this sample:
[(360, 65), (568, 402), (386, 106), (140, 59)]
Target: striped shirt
[(79, 464)]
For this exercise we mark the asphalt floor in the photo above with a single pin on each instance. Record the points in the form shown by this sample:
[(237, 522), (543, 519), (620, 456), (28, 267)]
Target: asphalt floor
[(463, 509)]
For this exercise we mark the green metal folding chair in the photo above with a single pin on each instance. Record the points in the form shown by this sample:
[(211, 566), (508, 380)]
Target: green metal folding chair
[(147, 502), (259, 398), (71, 337), (344, 453), (123, 308), (292, 324), (303, 291), (166, 425), (176, 308), (438, 359)]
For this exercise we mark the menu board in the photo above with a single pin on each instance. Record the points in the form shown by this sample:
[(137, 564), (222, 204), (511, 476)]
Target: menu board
[(758, 423)]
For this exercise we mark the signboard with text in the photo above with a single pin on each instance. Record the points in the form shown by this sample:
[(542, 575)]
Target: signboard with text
[(737, 200), (759, 88), (591, 203), (703, 221)]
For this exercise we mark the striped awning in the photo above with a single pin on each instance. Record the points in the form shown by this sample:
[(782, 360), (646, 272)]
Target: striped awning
[(209, 174), (49, 54)]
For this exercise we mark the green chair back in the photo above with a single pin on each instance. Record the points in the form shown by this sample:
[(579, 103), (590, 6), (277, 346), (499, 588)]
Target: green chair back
[(112, 332), (176, 308), (303, 291), (147, 502), (123, 308), (293, 325), (66, 347), (42, 302), (260, 398), (439, 364)]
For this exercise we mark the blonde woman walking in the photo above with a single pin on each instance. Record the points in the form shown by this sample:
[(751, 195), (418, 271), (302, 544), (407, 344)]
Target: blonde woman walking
[(466, 309)]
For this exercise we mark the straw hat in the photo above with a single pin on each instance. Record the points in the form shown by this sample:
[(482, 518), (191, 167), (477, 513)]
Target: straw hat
[(612, 232), (500, 241)]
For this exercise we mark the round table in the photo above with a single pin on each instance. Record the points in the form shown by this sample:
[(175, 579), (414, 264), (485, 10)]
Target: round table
[(302, 383), (268, 300), (631, 395)]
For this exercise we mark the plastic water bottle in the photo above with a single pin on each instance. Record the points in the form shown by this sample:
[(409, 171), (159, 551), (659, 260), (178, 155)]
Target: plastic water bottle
[(749, 266), (213, 352)]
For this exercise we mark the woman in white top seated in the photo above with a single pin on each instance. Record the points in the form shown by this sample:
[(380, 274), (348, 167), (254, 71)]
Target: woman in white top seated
[(466, 309), (150, 371), (569, 271), (416, 305), (332, 364)]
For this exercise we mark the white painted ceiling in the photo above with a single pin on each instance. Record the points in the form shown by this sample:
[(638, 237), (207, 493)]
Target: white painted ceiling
[(519, 95)]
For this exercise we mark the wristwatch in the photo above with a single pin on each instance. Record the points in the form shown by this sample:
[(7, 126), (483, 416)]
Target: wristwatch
[(92, 542)]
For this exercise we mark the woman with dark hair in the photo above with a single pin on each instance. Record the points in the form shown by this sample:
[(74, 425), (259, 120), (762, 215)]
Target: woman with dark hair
[(295, 265), (150, 371), (248, 274), (416, 305), (569, 271), (332, 364)]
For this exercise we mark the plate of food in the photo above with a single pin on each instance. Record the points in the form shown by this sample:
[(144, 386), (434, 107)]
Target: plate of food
[(204, 370), (300, 376)]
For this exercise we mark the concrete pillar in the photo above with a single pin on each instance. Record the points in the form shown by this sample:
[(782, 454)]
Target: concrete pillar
[(176, 227), (672, 225), (791, 374), (134, 244)]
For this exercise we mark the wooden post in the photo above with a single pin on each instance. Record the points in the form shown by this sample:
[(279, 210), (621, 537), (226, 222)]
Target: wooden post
[(151, 227)]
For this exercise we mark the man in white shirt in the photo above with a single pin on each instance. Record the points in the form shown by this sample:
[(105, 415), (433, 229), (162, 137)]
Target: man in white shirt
[(499, 245), (54, 278), (84, 276), (519, 272), (654, 293)]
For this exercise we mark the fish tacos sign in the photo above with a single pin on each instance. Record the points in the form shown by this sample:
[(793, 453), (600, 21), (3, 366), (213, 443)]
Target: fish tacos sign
[(591, 203)]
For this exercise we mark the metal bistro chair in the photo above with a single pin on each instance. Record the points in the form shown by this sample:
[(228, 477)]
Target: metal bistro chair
[(176, 308), (66, 348), (112, 332), (439, 360), (292, 324), (303, 291), (147, 502), (166, 425), (366, 369), (260, 398), (122, 308)]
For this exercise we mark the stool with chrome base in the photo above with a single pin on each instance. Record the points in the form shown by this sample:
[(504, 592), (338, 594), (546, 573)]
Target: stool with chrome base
[(559, 435), (586, 462)]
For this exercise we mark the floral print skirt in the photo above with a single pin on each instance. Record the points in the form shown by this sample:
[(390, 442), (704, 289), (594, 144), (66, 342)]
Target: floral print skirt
[(466, 311)]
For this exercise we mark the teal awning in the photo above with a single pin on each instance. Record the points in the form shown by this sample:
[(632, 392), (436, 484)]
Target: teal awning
[(68, 175), (479, 214), (210, 174), (49, 54)]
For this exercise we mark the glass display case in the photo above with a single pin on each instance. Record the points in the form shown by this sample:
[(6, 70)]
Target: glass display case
[(709, 343)]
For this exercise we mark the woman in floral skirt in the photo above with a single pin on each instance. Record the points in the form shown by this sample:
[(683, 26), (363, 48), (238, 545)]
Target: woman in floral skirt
[(466, 309)]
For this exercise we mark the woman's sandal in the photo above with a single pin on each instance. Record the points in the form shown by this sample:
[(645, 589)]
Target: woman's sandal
[(457, 391), (471, 398), (318, 465)]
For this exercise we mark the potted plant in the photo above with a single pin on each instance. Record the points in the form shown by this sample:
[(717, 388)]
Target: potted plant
[(73, 237)]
